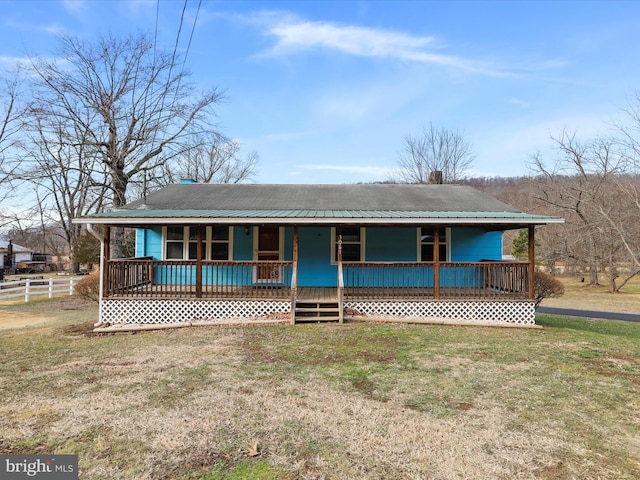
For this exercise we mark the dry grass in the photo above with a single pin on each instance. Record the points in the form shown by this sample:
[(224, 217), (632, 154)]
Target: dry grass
[(325, 401), (578, 294)]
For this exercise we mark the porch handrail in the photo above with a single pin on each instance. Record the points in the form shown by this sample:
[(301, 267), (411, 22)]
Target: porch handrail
[(178, 279), (457, 280)]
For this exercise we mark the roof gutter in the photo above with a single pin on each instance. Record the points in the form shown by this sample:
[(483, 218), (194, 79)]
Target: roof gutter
[(93, 231)]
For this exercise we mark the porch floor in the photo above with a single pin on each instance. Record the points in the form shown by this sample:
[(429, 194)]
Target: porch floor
[(318, 294)]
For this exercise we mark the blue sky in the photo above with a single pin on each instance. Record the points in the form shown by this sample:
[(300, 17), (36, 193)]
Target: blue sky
[(325, 91)]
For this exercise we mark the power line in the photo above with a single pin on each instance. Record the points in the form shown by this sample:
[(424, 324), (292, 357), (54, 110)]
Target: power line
[(155, 34), (175, 47), (195, 20), (173, 61)]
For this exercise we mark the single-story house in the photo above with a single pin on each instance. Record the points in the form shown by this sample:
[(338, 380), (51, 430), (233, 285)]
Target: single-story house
[(249, 252), (12, 254)]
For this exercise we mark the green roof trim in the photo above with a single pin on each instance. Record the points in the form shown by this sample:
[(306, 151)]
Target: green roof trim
[(346, 214), (310, 217)]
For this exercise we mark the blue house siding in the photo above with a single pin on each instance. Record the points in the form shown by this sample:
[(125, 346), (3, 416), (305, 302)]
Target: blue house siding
[(475, 244), (315, 265), (149, 242), (470, 245)]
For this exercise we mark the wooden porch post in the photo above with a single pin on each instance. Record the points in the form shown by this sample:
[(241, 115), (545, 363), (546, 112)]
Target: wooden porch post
[(199, 264), (340, 278), (106, 253), (436, 263), (294, 276), (532, 262)]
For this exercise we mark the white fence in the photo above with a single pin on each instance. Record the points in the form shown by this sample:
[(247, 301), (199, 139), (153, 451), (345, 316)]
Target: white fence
[(37, 286)]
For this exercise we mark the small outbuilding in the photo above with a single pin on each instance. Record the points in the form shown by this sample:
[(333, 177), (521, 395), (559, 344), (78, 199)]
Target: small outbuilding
[(11, 255)]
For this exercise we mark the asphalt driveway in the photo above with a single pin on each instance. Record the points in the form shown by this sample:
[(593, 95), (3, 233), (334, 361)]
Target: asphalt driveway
[(628, 317)]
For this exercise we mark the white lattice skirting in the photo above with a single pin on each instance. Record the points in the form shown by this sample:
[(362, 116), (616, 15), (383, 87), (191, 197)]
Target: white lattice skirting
[(168, 312), (518, 313)]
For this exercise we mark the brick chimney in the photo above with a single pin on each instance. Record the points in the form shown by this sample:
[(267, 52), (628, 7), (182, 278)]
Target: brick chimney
[(435, 177)]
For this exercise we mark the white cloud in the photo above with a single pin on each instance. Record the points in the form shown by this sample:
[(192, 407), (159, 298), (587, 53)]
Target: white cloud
[(294, 35), (359, 41)]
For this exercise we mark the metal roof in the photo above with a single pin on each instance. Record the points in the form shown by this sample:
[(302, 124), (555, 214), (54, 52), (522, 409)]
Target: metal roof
[(359, 197), (306, 204)]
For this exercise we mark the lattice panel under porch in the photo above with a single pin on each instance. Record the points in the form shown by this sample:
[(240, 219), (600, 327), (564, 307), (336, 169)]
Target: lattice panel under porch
[(167, 312), (522, 313)]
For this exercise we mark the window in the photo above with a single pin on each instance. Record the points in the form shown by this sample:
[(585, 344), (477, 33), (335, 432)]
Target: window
[(182, 243), (219, 243), (352, 244), (426, 239), (174, 249), (193, 244)]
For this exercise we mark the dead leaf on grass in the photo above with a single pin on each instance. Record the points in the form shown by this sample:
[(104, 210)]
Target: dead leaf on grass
[(253, 450)]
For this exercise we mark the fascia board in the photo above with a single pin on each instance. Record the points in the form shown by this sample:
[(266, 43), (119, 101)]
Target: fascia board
[(124, 221)]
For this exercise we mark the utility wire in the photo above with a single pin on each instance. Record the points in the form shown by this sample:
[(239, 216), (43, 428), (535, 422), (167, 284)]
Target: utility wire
[(155, 34), (173, 61), (195, 20), (193, 28)]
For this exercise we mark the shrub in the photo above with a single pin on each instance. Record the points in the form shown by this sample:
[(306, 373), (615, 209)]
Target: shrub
[(89, 287), (546, 286)]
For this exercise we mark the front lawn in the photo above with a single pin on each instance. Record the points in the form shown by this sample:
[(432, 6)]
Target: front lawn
[(327, 401)]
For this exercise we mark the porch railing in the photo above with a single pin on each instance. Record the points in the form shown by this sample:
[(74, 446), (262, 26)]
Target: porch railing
[(410, 280), (192, 279), (147, 278)]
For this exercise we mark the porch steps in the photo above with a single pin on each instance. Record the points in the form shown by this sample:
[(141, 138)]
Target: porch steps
[(317, 312)]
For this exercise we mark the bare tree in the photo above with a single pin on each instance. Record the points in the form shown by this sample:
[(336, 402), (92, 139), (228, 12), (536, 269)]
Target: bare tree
[(10, 123), (584, 185), (134, 104), (66, 174), (437, 149), (628, 129), (216, 159)]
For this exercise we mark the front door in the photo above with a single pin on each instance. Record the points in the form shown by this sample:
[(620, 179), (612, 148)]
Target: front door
[(268, 249)]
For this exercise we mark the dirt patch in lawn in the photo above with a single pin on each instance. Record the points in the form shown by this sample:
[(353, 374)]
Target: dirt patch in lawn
[(41, 312), (11, 319)]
